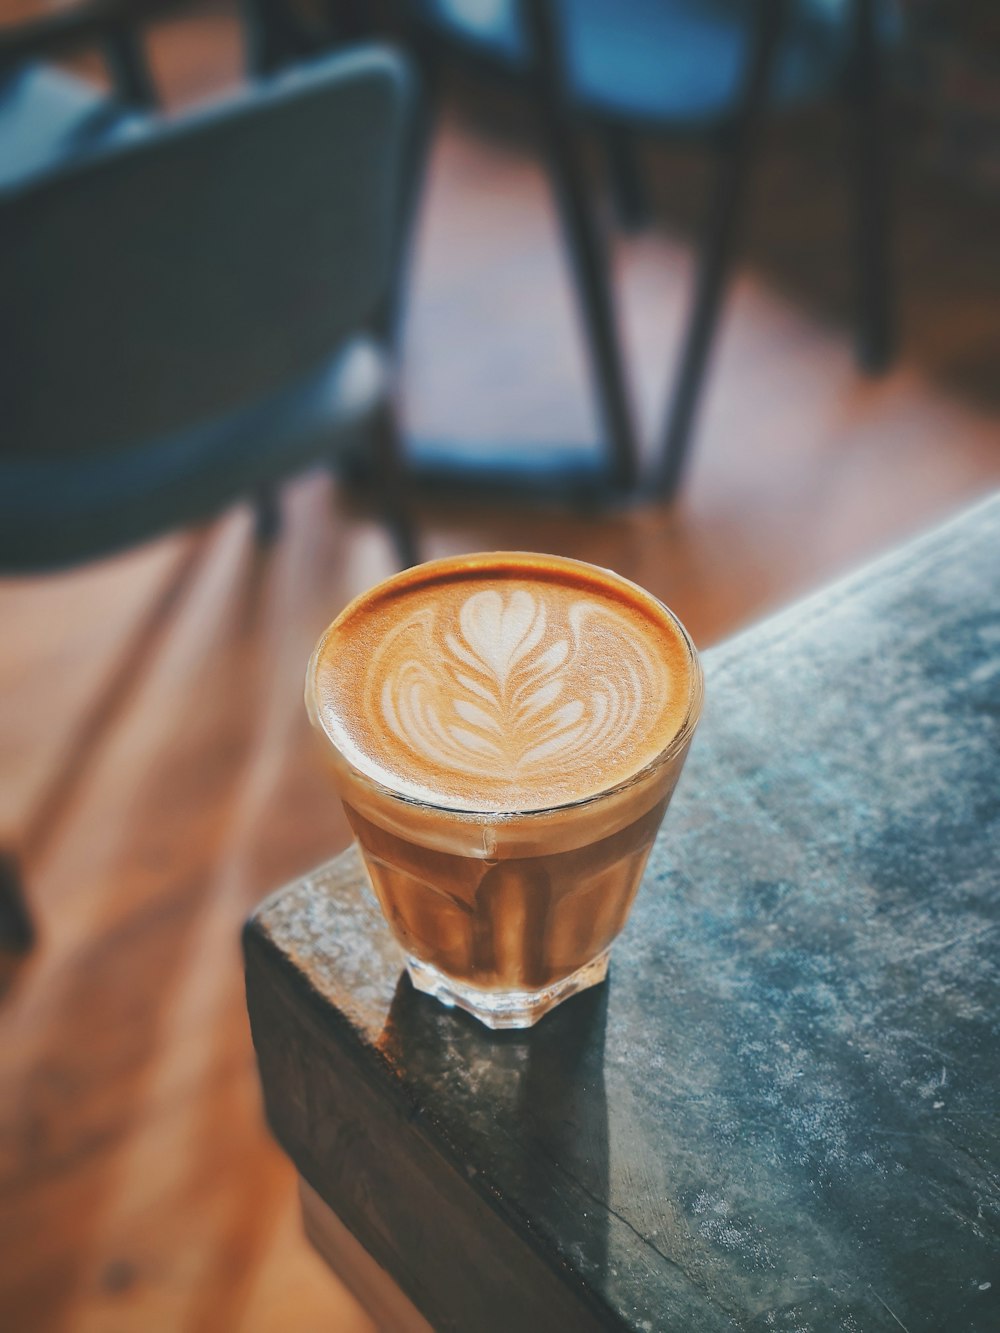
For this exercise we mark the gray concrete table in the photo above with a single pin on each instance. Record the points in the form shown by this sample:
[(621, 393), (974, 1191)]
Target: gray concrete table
[(782, 1111)]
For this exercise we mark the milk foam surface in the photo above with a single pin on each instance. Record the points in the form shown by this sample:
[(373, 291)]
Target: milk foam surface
[(502, 682)]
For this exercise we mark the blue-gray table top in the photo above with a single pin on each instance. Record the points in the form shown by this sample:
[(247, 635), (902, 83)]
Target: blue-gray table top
[(782, 1112)]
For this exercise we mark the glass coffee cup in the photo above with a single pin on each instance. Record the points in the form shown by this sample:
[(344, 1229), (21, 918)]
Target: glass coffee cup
[(506, 730)]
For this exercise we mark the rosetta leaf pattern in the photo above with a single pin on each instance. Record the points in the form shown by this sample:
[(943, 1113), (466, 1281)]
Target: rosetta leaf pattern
[(499, 692)]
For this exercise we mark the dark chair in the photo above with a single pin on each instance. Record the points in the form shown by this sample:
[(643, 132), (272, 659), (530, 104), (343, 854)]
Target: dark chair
[(197, 312), (698, 69), (194, 313)]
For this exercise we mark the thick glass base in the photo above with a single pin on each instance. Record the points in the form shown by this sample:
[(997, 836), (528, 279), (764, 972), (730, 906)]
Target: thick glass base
[(505, 1008)]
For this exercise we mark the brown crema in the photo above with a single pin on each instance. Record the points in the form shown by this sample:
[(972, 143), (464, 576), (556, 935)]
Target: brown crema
[(503, 683)]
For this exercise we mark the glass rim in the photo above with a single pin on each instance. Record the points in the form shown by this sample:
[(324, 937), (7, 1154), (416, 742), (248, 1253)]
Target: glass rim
[(677, 741)]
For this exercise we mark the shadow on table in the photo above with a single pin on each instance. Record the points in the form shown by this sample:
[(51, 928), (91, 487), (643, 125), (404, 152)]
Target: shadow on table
[(531, 1105)]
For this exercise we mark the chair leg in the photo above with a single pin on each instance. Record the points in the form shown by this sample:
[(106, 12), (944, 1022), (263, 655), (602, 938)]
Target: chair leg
[(267, 515), (129, 67), (17, 932), (390, 478), (628, 189), (587, 253), (271, 35), (719, 247), (874, 340)]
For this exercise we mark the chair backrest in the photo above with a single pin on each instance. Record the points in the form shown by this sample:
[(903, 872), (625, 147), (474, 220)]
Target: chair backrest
[(201, 267)]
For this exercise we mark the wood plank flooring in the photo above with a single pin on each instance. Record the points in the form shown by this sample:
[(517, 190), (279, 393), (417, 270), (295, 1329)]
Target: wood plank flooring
[(138, 1186)]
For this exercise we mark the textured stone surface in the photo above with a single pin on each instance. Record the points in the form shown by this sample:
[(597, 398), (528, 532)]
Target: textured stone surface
[(782, 1110)]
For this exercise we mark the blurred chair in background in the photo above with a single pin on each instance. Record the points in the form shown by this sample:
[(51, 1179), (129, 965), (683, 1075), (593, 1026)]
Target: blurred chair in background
[(193, 315), (704, 70), (48, 115)]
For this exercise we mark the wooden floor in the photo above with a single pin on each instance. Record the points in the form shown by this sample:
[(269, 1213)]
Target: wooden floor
[(138, 1186)]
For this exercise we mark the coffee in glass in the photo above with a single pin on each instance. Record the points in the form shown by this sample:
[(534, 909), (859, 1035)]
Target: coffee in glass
[(506, 730)]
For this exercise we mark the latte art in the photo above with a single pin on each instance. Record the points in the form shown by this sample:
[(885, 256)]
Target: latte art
[(502, 683), (505, 690)]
